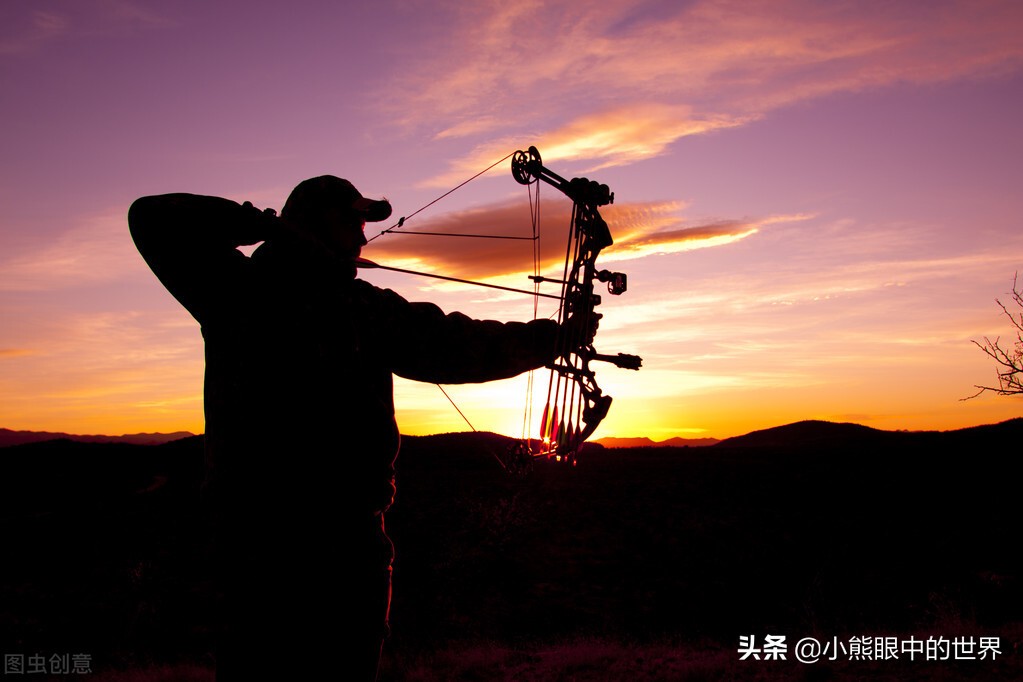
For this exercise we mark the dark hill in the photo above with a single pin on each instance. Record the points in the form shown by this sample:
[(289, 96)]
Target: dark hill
[(832, 436), (810, 433), (814, 529), (892, 533), (66, 476), (9, 437)]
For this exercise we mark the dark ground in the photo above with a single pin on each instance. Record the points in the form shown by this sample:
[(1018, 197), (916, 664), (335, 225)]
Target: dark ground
[(637, 564)]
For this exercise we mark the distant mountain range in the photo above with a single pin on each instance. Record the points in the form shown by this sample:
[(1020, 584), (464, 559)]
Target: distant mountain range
[(9, 437), (814, 433), (809, 433)]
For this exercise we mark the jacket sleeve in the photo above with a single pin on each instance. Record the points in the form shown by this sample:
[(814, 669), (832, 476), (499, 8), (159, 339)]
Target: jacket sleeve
[(419, 342), (190, 242)]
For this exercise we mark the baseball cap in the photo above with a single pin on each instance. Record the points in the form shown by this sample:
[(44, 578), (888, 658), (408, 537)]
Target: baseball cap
[(312, 197)]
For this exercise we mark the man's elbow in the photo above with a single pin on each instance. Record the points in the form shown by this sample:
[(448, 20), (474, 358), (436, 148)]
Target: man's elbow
[(138, 217), (148, 222), (141, 213), (151, 217)]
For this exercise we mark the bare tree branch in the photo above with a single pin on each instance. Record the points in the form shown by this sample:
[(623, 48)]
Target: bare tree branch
[(1008, 358)]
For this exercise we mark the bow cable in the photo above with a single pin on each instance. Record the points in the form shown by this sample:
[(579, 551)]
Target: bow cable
[(370, 265), (403, 219)]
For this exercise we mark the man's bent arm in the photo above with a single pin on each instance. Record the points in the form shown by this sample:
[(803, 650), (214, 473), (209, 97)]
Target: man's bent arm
[(190, 242)]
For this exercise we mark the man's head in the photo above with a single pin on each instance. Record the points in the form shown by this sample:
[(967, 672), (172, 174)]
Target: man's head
[(334, 211)]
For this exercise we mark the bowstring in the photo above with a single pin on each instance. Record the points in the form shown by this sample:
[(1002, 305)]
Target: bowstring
[(401, 221), (535, 238), (562, 411), (534, 216)]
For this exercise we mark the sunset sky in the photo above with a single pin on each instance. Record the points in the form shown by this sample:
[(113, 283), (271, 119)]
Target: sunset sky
[(817, 203)]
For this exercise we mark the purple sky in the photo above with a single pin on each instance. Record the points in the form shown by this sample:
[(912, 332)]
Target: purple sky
[(816, 202)]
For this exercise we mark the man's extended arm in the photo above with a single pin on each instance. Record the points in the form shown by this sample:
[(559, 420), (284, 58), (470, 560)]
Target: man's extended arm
[(190, 242), (419, 342)]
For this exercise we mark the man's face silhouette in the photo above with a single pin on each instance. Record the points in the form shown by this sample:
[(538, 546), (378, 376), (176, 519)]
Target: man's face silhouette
[(343, 232)]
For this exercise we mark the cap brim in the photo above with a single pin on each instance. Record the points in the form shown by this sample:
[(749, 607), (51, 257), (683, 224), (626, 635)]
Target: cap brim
[(372, 211)]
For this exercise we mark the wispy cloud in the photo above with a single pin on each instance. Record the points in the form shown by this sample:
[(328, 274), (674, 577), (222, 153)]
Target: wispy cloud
[(32, 31), (97, 250), (88, 368), (616, 136), (637, 242), (15, 352), (684, 68), (132, 14), (40, 28)]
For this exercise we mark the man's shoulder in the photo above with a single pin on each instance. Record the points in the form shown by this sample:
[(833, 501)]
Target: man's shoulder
[(370, 292)]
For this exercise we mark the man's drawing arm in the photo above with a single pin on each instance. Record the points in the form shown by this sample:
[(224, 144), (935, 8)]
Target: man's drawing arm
[(191, 244)]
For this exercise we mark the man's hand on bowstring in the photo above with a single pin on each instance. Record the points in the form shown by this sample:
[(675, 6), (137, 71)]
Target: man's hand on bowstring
[(264, 223)]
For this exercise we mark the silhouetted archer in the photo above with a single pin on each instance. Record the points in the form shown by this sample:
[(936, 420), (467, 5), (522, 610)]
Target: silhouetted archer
[(301, 437)]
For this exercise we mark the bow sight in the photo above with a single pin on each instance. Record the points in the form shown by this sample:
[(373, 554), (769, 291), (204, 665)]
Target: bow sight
[(617, 282)]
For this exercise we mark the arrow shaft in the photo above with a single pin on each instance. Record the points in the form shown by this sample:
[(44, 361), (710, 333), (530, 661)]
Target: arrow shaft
[(365, 263)]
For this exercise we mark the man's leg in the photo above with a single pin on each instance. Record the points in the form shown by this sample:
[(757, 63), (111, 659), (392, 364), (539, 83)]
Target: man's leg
[(369, 593)]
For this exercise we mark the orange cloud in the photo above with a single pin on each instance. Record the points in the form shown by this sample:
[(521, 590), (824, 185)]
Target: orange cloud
[(676, 237), (639, 229), (15, 352), (612, 137), (476, 258)]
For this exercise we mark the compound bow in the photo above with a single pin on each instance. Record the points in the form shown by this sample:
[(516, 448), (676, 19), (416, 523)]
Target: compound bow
[(575, 404)]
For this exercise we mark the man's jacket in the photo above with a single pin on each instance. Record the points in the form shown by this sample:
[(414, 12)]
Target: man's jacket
[(300, 354)]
